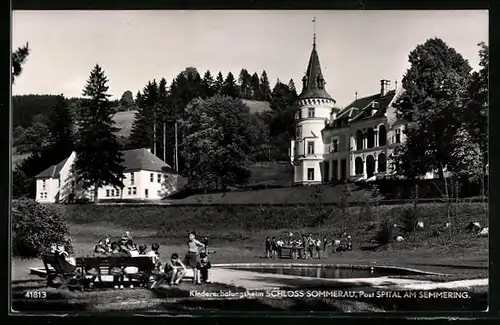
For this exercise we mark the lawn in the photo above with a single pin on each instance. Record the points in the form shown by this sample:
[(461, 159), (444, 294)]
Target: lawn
[(237, 235)]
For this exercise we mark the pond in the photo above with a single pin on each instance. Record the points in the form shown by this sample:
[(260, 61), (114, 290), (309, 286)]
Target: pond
[(328, 272)]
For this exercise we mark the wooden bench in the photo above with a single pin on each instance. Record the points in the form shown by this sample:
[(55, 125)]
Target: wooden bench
[(97, 267)]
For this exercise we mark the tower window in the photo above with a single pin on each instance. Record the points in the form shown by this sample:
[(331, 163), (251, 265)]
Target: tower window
[(310, 112), (299, 114), (310, 174), (310, 147), (298, 132), (335, 145)]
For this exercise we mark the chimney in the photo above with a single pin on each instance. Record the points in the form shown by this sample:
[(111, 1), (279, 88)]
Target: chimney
[(384, 85)]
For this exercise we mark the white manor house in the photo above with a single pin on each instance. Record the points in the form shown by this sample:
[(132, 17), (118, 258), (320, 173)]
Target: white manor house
[(354, 143)]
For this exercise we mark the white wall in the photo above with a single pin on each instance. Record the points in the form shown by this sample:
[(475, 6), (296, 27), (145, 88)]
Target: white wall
[(47, 194)]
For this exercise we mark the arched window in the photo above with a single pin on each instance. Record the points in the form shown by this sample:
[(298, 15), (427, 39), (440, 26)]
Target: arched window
[(382, 136), (370, 166), (382, 163), (358, 166), (359, 140), (371, 138)]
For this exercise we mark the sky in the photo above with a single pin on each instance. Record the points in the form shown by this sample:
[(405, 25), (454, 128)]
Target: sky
[(356, 48)]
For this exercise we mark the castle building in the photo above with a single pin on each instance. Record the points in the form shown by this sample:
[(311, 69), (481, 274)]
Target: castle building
[(354, 143)]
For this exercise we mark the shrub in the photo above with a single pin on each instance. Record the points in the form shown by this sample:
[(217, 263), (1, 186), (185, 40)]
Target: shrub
[(408, 220), (384, 234), (35, 227)]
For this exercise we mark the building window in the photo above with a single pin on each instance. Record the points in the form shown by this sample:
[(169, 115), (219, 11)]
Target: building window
[(158, 178), (398, 136), (299, 132), (134, 190), (146, 193), (151, 177), (131, 178), (43, 185), (382, 163), (310, 174), (359, 140), (335, 145), (59, 182), (310, 147), (107, 193), (112, 192), (358, 166), (118, 193), (310, 112), (382, 136), (335, 170), (129, 191), (299, 114)]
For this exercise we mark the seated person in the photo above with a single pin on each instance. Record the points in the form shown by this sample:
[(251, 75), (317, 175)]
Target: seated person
[(203, 266), (174, 272), (132, 248), (118, 277), (100, 249), (142, 249), (174, 269), (155, 254)]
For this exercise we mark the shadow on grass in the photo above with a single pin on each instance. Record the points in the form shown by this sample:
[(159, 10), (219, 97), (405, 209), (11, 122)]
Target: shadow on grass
[(455, 266)]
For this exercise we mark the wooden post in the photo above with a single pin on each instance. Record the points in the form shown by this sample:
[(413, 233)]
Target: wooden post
[(176, 150), (164, 142)]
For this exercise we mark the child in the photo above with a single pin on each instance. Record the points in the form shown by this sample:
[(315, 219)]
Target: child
[(274, 248), (174, 272), (318, 248), (325, 244), (268, 247), (116, 271), (155, 254), (203, 266), (142, 249), (192, 254)]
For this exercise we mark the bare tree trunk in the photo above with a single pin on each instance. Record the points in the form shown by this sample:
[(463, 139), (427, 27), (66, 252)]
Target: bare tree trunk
[(96, 192), (483, 197), (447, 196)]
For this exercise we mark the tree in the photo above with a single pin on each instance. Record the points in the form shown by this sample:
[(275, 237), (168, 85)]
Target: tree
[(245, 82), (255, 85), (229, 87), (218, 142), (207, 84), (219, 83), (264, 86), (291, 87), (141, 135), (99, 159), (61, 128), (476, 104), (435, 88), (35, 227), (127, 101), (36, 137), (19, 57)]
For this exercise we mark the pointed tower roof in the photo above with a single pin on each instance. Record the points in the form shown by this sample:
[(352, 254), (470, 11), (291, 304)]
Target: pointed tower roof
[(313, 81)]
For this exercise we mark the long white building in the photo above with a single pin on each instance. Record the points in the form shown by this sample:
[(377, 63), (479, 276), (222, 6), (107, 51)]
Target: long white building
[(146, 177)]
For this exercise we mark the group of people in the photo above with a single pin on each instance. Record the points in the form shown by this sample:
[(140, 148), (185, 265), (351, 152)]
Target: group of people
[(305, 246), (173, 271)]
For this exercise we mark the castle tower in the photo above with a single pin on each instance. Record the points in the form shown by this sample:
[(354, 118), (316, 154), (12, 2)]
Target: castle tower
[(313, 110)]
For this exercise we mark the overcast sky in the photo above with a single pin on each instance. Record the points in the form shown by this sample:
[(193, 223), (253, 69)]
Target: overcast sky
[(356, 48)]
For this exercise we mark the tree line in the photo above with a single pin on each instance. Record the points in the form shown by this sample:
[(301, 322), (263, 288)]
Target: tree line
[(73, 125)]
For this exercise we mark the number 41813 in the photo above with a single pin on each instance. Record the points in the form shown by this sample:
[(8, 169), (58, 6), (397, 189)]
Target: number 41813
[(36, 295)]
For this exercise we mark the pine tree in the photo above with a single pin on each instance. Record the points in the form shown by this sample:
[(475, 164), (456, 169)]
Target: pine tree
[(265, 88), (18, 59), (207, 85), (60, 125), (229, 87), (127, 101), (99, 159), (255, 85), (163, 116), (245, 81), (219, 83), (141, 135), (291, 87)]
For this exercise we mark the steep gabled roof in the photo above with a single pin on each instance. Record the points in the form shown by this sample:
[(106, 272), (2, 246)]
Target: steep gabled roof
[(142, 159), (135, 159), (52, 171), (364, 105), (313, 87)]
